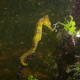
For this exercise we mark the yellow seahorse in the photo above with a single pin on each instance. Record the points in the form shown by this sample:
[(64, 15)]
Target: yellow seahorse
[(37, 37)]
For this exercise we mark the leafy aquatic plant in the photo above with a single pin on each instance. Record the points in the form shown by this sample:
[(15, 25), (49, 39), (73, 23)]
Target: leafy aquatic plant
[(70, 27), (73, 71), (31, 77)]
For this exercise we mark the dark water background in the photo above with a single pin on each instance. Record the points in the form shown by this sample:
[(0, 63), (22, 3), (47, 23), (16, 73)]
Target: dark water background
[(17, 24)]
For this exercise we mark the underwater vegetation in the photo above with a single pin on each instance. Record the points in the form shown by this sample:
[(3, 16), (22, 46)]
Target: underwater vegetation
[(31, 77), (70, 27), (73, 72)]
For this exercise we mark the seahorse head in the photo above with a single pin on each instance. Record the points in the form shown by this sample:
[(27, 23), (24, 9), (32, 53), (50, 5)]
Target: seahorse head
[(47, 22)]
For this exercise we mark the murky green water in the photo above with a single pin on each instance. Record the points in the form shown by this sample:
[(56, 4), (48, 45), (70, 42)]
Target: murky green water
[(18, 19)]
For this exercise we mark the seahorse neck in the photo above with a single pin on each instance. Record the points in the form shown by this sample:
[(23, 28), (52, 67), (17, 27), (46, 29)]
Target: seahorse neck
[(39, 27)]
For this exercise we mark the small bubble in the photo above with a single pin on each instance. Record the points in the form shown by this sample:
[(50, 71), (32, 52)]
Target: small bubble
[(73, 6), (21, 42), (11, 42), (77, 2), (52, 14), (17, 15), (2, 21), (16, 21), (66, 52), (39, 3), (5, 8)]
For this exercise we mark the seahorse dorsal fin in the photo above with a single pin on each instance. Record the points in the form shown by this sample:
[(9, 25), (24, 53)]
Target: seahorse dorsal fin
[(46, 16)]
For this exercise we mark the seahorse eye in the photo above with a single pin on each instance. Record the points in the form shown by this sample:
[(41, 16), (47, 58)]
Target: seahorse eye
[(49, 23)]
